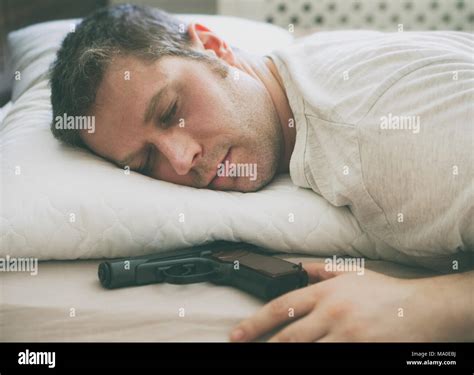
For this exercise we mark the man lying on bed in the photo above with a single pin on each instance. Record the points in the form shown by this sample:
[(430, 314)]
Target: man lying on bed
[(379, 122)]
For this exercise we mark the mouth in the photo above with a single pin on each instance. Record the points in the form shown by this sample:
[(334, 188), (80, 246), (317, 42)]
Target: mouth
[(216, 180)]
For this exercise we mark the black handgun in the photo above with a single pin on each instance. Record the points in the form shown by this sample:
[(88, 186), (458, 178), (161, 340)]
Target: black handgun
[(241, 265)]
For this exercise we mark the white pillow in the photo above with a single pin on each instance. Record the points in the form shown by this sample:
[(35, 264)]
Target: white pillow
[(58, 202)]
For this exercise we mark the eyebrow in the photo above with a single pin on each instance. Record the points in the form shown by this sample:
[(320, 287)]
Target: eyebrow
[(151, 108)]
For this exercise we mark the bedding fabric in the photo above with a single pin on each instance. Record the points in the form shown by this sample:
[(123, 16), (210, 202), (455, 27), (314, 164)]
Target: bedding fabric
[(62, 203), (65, 302)]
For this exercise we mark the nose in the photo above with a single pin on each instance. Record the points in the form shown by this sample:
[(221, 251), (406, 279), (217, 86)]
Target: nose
[(180, 149)]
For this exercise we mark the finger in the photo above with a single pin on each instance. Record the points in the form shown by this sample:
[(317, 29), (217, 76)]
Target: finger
[(317, 272), (289, 306), (307, 329)]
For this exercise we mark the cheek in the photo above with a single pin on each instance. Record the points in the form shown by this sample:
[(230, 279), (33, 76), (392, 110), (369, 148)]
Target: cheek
[(204, 106), (208, 102)]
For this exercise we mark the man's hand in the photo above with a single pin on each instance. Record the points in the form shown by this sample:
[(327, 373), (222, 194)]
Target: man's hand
[(369, 307)]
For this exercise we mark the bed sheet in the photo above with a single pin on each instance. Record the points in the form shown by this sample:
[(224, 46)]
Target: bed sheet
[(65, 302)]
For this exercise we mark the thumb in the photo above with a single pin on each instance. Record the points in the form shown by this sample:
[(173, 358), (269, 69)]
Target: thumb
[(317, 272)]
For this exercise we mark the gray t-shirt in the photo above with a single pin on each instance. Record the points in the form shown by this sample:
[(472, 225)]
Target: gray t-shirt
[(385, 126)]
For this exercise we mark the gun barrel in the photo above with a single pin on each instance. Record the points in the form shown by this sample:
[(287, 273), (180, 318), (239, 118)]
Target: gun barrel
[(186, 270), (123, 272), (117, 274)]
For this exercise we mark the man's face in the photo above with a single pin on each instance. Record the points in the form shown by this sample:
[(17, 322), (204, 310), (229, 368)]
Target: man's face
[(178, 120)]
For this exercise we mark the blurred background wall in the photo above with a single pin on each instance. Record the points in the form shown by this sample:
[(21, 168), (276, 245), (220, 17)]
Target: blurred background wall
[(336, 14)]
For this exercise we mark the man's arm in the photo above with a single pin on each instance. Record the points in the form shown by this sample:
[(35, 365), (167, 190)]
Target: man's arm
[(454, 304), (370, 307)]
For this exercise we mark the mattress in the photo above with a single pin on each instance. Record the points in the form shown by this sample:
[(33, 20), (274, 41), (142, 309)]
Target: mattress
[(65, 302)]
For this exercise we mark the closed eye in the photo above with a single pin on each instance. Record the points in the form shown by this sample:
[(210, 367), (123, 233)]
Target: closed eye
[(166, 119)]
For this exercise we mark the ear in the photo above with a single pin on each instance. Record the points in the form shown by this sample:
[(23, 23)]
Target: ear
[(207, 41)]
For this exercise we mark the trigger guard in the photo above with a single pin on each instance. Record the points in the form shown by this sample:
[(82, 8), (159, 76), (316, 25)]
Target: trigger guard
[(186, 278)]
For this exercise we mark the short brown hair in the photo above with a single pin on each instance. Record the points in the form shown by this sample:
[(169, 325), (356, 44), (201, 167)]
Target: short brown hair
[(84, 55)]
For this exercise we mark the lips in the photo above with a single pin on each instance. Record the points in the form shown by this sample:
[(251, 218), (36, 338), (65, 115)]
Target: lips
[(216, 179)]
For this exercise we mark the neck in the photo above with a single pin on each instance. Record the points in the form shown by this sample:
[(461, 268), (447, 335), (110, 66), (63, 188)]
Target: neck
[(263, 69)]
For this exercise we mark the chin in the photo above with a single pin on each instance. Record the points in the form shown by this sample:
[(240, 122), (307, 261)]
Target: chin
[(248, 186), (236, 184)]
